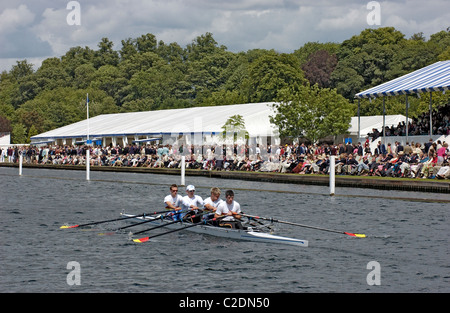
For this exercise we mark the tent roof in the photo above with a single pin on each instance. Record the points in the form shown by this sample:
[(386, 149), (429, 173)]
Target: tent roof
[(174, 121), (376, 121), (435, 77)]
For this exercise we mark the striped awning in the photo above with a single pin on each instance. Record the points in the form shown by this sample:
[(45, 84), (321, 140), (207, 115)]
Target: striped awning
[(434, 77)]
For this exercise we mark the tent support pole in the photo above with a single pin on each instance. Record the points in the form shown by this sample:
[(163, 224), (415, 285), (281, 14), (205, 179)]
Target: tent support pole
[(406, 122), (431, 116), (88, 161), (359, 120), (384, 121)]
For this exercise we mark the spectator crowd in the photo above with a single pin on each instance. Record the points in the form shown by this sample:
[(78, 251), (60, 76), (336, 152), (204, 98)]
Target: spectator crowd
[(419, 126), (414, 160)]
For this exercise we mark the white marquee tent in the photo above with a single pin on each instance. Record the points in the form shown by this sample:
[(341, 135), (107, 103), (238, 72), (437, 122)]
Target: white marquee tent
[(196, 121), (198, 124), (367, 123)]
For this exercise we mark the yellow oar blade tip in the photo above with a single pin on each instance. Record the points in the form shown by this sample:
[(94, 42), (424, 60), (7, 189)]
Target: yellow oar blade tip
[(355, 235), (68, 226), (140, 240)]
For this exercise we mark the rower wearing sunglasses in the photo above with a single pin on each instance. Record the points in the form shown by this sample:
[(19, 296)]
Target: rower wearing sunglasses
[(173, 201)]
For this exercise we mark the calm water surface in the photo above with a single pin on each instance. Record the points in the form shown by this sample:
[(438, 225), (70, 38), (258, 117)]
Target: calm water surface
[(408, 239)]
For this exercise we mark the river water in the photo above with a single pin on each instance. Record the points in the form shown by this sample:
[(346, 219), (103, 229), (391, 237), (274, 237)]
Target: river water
[(406, 249)]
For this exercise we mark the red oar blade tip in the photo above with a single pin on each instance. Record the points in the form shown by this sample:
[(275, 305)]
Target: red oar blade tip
[(68, 226), (356, 235), (141, 239)]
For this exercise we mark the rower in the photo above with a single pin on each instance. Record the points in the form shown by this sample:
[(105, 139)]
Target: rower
[(191, 202), (211, 203), (231, 209), (173, 201)]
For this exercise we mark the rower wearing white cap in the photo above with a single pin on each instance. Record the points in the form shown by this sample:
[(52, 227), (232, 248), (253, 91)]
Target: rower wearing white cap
[(191, 201)]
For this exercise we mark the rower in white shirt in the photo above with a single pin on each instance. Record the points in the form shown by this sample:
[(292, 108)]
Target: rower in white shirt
[(211, 203), (191, 202), (231, 210), (173, 201)]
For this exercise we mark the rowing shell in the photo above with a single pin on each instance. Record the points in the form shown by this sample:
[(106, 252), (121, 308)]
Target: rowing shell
[(249, 234)]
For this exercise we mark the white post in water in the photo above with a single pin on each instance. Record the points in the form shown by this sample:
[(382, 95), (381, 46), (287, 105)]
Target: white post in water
[(183, 169), (332, 172), (20, 163), (88, 161)]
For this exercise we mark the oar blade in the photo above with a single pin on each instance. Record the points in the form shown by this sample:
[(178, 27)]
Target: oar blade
[(140, 240), (355, 235), (68, 226)]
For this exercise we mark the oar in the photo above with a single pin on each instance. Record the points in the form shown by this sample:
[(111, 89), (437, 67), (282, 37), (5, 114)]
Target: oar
[(166, 224), (144, 239), (107, 221), (307, 226), (152, 220)]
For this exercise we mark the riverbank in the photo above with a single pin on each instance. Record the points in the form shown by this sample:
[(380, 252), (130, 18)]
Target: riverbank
[(371, 182)]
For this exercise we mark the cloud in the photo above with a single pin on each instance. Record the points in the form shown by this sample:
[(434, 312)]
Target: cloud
[(343, 20), (16, 37), (414, 16), (12, 19)]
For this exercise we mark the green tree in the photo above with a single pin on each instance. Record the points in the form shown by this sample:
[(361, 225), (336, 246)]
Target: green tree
[(75, 57), (84, 75), (383, 36), (441, 39), (364, 59), (5, 125), (105, 55), (8, 88), (235, 125), (26, 87), (411, 56), (206, 67), (311, 112), (445, 55), (270, 73), (109, 79), (62, 106), (128, 49), (173, 54), (305, 53), (19, 134), (140, 62), (22, 69), (51, 75), (32, 132), (146, 43)]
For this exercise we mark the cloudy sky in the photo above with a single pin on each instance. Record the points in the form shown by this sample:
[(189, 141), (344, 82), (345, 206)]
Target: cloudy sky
[(35, 30)]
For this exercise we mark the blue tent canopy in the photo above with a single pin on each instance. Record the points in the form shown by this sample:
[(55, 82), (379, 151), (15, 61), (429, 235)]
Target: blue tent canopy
[(434, 77)]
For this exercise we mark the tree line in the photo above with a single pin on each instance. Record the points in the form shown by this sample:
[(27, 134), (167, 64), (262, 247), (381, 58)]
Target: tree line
[(147, 74)]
